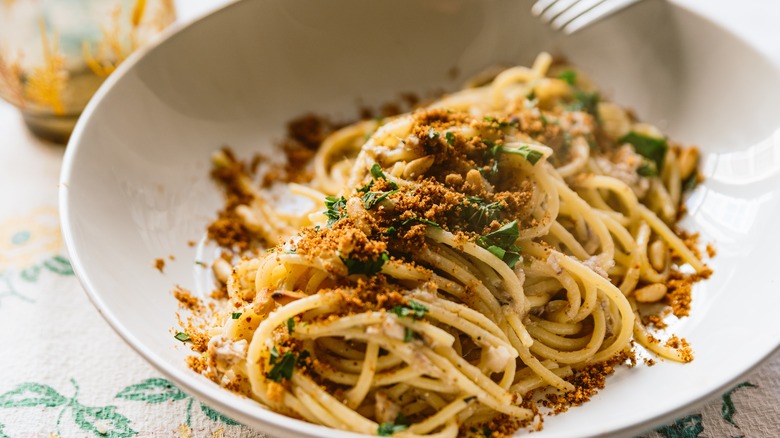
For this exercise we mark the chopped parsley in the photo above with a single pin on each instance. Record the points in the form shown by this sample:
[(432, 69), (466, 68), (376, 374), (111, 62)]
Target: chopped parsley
[(479, 213), (400, 424), (377, 173), (531, 155), (235, 315), (181, 336), (568, 76), (412, 308), (408, 334), (433, 134), (366, 187), (584, 101), (420, 220), (450, 137), (647, 168), (365, 267), (336, 209), (370, 199), (281, 368), (501, 243), (290, 325), (391, 231), (499, 123), (201, 264), (652, 148), (690, 182), (487, 432)]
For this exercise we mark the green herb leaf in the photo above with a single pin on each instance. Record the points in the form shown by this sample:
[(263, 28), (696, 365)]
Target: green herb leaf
[(500, 123), (391, 231), (478, 213), (568, 76), (487, 432), (649, 147), (450, 137), (387, 429), (408, 334), (235, 315), (290, 325), (366, 187), (512, 257), (502, 237), (181, 336), (420, 220), (370, 199), (433, 134), (376, 173), (531, 155), (584, 101), (690, 182), (365, 267), (274, 355), (201, 264), (336, 209), (501, 243), (497, 251), (282, 368), (412, 308), (647, 168)]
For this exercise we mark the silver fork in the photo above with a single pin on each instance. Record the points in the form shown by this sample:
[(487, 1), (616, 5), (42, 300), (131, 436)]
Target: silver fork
[(572, 15)]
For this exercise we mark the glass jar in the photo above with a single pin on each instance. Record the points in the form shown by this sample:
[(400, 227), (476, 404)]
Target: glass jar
[(54, 54)]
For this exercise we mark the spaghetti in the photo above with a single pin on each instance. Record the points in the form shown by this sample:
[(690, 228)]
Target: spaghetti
[(455, 259)]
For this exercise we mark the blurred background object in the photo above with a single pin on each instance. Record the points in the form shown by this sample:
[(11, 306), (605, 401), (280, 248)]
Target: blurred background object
[(54, 54)]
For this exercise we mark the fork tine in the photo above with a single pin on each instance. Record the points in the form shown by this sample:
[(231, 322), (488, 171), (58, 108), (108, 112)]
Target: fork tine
[(541, 6), (596, 13), (556, 9), (578, 9)]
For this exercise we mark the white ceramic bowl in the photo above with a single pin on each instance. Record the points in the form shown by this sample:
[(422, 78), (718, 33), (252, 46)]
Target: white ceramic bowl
[(135, 186)]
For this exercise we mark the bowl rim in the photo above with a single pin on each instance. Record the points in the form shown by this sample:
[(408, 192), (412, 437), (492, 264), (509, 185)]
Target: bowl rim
[(245, 409)]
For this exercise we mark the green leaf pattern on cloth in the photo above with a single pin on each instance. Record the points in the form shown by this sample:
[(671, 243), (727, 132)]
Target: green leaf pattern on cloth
[(102, 420), (687, 427), (59, 265), (216, 416), (728, 410), (158, 390), (154, 390), (32, 394)]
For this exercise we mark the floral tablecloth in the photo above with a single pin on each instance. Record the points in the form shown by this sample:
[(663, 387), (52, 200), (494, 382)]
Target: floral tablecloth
[(65, 373)]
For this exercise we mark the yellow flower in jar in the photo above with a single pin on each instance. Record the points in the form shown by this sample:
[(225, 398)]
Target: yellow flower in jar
[(29, 239)]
